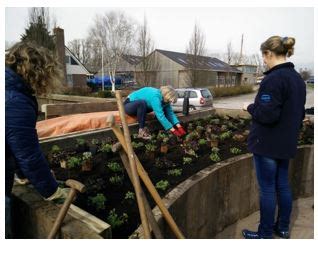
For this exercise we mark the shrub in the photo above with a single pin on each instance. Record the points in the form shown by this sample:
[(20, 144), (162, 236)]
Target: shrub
[(80, 141), (187, 160), (116, 180), (231, 91), (225, 135), (114, 167), (174, 172), (162, 185), (202, 142), (115, 220), (95, 141), (150, 147), (235, 151), (106, 147), (215, 150), (87, 156), (98, 201), (105, 94), (137, 144), (130, 195), (215, 157), (55, 149), (73, 162)]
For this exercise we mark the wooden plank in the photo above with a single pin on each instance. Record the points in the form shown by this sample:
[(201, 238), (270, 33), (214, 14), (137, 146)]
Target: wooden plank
[(56, 110), (100, 227)]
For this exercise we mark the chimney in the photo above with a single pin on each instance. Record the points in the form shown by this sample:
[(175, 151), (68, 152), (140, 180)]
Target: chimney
[(60, 48)]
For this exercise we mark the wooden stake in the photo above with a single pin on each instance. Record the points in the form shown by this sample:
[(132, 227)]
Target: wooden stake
[(132, 163)]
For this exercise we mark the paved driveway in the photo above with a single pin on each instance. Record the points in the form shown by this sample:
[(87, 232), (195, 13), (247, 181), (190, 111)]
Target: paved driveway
[(236, 102)]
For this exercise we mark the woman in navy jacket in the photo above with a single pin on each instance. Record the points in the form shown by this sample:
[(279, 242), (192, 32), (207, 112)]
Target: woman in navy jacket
[(30, 70), (277, 114)]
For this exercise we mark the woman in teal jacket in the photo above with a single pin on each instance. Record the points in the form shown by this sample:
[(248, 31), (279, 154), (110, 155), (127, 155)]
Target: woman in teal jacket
[(149, 99)]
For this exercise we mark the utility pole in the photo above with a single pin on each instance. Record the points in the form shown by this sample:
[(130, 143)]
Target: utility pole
[(102, 67), (241, 52)]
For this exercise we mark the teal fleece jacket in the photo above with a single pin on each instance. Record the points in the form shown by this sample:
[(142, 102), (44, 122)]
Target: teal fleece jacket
[(155, 103)]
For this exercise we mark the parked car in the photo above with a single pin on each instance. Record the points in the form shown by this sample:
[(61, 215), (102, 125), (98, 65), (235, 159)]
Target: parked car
[(199, 98), (310, 80)]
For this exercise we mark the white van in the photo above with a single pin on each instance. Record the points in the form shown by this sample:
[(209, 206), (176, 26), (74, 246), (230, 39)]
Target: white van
[(199, 98)]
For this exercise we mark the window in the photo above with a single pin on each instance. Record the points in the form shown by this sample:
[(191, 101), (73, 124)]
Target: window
[(193, 94), (180, 94), (206, 93), (67, 59), (233, 79), (73, 62)]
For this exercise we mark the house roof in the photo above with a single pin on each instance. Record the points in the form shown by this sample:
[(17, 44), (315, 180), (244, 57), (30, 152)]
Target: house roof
[(76, 59), (204, 62), (132, 59)]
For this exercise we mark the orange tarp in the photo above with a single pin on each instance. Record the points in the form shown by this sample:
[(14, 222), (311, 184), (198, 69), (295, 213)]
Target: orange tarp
[(79, 122)]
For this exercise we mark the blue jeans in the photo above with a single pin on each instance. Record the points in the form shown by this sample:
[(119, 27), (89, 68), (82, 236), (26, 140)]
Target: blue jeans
[(272, 177), (8, 232), (137, 108)]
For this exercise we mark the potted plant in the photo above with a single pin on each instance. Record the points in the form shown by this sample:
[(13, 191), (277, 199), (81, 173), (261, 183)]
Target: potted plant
[(214, 156), (239, 137), (174, 172), (213, 141), (87, 161), (150, 150), (93, 147), (98, 201), (81, 145), (164, 145), (235, 151), (54, 154), (115, 167), (71, 163)]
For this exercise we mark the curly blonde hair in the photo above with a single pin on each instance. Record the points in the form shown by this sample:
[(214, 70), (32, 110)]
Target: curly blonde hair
[(37, 66)]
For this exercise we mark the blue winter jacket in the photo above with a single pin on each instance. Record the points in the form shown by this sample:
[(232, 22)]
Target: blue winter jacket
[(154, 101), (22, 145), (277, 113)]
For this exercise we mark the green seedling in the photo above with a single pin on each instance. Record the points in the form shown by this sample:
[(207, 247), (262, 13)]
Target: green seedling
[(114, 167), (115, 220), (116, 180), (130, 195), (98, 201), (187, 160), (174, 172), (162, 185), (215, 157), (235, 151)]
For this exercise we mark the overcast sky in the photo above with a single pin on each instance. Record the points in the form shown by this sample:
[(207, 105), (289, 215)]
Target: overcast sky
[(171, 28)]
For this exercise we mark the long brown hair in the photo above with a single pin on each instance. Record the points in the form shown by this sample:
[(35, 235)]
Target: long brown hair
[(279, 45), (37, 66)]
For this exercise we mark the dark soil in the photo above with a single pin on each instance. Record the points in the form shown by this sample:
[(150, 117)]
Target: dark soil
[(97, 180)]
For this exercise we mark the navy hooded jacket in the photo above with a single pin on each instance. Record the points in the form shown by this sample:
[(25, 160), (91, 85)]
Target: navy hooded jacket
[(277, 113), (22, 145)]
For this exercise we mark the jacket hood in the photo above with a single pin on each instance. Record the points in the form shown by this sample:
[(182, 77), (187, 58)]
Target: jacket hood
[(15, 82)]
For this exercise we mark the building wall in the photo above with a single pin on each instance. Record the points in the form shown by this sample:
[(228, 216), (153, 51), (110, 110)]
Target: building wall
[(79, 81)]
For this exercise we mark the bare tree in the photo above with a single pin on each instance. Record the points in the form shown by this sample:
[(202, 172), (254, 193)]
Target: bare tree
[(145, 46), (83, 50), (114, 31), (195, 49)]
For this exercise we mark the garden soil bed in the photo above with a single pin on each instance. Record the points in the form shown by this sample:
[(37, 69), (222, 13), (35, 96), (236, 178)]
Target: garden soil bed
[(110, 195)]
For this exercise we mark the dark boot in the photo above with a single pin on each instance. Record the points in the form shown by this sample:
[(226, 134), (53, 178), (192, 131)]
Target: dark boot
[(247, 234)]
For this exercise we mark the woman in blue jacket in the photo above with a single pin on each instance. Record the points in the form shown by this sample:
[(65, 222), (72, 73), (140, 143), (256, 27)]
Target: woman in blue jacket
[(150, 99), (277, 114), (30, 70)]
